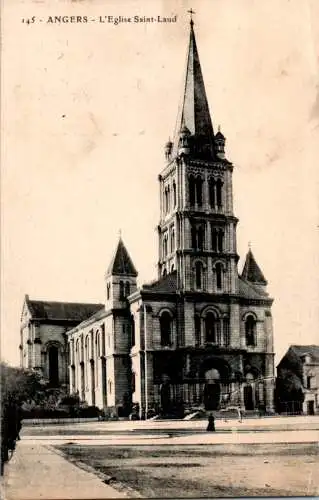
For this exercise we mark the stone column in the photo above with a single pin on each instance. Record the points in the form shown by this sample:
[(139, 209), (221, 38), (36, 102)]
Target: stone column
[(234, 320), (150, 380), (71, 379), (37, 354), (269, 383)]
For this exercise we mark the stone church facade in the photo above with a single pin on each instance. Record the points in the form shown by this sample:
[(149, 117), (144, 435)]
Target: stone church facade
[(200, 323)]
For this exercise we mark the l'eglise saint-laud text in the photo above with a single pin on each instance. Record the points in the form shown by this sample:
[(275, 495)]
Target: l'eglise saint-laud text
[(137, 19), (111, 19)]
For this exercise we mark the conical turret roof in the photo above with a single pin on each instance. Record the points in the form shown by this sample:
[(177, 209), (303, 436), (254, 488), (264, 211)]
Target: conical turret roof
[(252, 271), (121, 263)]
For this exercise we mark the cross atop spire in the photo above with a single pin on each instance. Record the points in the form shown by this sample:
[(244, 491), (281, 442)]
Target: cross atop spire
[(191, 12)]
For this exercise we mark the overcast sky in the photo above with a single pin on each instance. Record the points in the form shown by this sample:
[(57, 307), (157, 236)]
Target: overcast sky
[(87, 109)]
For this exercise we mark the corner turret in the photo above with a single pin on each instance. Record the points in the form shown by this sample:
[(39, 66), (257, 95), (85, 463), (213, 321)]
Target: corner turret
[(120, 278), (252, 272)]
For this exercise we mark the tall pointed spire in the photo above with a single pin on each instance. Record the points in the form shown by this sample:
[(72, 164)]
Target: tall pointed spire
[(193, 115)]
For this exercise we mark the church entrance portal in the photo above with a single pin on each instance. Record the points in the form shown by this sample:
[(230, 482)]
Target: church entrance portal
[(165, 395), (311, 407)]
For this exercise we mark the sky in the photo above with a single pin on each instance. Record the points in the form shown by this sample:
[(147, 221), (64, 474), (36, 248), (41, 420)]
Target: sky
[(86, 111)]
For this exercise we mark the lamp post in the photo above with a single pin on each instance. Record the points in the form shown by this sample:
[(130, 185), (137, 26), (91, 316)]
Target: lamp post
[(145, 364)]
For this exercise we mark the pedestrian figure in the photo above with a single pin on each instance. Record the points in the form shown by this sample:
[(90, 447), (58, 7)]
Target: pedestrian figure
[(239, 414), (211, 423)]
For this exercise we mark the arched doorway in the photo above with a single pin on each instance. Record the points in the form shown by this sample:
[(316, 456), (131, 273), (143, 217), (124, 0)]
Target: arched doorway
[(212, 389), (54, 366), (216, 373), (165, 395)]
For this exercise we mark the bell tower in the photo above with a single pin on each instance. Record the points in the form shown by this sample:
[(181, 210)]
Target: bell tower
[(197, 228)]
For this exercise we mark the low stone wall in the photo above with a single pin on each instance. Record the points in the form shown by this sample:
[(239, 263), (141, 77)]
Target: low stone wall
[(48, 421)]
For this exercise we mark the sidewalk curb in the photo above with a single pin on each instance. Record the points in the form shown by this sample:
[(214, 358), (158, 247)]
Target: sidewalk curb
[(105, 478)]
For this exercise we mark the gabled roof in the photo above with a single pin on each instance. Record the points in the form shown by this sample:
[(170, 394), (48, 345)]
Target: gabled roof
[(302, 350), (193, 113), (67, 311), (166, 284), (121, 263), (252, 271), (248, 291)]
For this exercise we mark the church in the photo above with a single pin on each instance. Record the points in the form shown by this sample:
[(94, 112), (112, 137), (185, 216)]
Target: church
[(156, 348)]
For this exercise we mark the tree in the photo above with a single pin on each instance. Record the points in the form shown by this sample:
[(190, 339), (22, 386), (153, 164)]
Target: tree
[(19, 385)]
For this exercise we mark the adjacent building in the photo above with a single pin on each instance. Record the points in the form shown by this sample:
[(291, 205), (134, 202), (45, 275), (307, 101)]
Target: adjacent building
[(298, 380), (200, 322), (43, 340)]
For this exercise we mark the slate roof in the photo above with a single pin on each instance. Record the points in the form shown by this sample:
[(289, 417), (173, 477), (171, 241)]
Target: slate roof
[(194, 110), (312, 350), (67, 311), (166, 284), (248, 291), (252, 271), (121, 263)]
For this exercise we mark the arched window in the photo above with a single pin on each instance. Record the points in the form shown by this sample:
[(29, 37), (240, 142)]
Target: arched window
[(132, 331), (212, 193), (200, 238), (226, 334), (164, 272), (54, 365), (212, 327), (166, 328), (219, 196), (172, 240), (127, 289), (121, 290), (98, 345), (108, 286), (77, 351), (172, 268), (250, 330), (97, 357), (168, 199), (191, 186), (197, 330), (165, 238), (174, 194), (219, 275), (220, 240), (87, 352), (198, 275), (199, 191), (214, 239), (194, 237)]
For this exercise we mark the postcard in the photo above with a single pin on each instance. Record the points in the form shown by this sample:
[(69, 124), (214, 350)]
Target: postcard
[(159, 249)]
